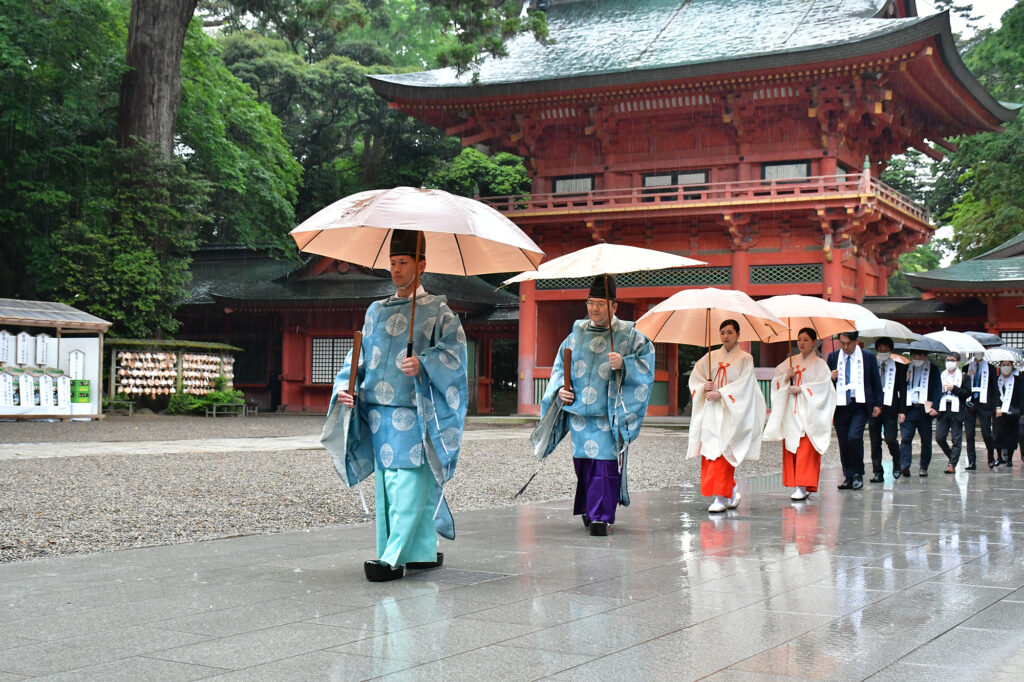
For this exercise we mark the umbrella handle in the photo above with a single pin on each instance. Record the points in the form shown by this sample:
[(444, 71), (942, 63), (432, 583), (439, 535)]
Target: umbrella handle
[(353, 371), (566, 369), (707, 329), (415, 289)]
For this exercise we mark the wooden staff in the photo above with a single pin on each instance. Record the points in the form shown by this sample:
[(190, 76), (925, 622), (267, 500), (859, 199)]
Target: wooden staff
[(608, 304), (415, 288), (353, 370), (567, 369), (707, 329)]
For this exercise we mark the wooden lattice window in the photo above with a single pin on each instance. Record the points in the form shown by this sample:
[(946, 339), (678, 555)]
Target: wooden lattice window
[(328, 357)]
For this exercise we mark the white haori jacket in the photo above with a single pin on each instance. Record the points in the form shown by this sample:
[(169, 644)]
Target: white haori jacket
[(730, 427), (808, 412)]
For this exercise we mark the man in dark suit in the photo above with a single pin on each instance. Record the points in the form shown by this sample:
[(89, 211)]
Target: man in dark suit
[(923, 393), (893, 378), (859, 396), (981, 408)]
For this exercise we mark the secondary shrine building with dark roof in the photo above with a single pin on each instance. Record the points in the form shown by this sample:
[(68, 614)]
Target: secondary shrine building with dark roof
[(749, 134)]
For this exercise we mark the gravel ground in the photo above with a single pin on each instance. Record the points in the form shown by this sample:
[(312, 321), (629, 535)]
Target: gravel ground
[(74, 505)]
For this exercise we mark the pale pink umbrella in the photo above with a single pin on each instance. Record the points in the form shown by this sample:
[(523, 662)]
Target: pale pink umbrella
[(826, 318), (462, 236), (688, 316)]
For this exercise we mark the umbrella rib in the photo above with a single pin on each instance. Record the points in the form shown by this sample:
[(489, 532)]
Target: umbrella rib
[(380, 248), (462, 258)]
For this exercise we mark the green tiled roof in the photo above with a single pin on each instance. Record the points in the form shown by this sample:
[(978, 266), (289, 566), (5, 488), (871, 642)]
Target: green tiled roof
[(1013, 246), (247, 277), (987, 274), (625, 41)]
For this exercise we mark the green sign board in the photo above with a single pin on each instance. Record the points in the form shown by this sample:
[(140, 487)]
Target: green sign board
[(80, 392)]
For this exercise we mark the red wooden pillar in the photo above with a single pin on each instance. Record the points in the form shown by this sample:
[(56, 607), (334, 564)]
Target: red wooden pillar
[(862, 278), (484, 379), (834, 276), (740, 270), (294, 364), (527, 347)]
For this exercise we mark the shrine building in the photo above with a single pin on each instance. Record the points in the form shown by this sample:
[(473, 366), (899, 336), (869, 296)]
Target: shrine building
[(749, 134)]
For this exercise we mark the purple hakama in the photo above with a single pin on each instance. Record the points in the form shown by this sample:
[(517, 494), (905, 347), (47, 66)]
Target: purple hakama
[(597, 488)]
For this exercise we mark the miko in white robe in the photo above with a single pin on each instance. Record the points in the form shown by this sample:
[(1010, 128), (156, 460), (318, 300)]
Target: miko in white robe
[(802, 420), (725, 432)]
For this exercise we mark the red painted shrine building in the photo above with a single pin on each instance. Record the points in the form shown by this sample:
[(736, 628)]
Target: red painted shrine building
[(750, 135)]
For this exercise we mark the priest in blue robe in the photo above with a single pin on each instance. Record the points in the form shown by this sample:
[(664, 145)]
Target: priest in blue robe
[(405, 422), (603, 410)]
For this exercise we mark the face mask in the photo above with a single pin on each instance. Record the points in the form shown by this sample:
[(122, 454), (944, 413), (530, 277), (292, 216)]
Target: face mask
[(917, 363), (1006, 371), (883, 356), (951, 365)]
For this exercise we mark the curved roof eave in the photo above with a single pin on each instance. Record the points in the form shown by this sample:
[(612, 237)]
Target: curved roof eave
[(936, 26)]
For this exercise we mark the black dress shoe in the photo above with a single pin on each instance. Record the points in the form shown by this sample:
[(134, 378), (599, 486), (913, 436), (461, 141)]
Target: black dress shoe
[(858, 483), (970, 467), (846, 484), (1008, 463), (992, 464), (923, 473), (420, 565), (905, 471), (598, 528), (378, 571), (877, 478), (896, 473), (586, 521)]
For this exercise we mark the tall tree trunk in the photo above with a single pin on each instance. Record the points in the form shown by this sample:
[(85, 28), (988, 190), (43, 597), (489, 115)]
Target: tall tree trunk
[(151, 88)]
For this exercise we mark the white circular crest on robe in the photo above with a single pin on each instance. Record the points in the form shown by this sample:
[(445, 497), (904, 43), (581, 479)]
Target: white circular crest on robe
[(460, 335), (374, 419), (375, 356), (428, 410), (384, 392), (570, 343), (368, 326), (416, 454), (403, 418), (603, 424), (399, 357), (589, 395), (642, 366), (598, 344), (451, 439), (427, 326), (640, 392), (579, 368), (396, 324), (449, 359), (426, 299), (452, 397), (591, 448), (632, 420), (578, 422), (387, 455), (604, 370)]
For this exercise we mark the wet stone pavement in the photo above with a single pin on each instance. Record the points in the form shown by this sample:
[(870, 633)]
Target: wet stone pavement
[(915, 579)]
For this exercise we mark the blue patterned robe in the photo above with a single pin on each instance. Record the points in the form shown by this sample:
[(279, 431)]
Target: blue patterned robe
[(423, 415), (610, 405)]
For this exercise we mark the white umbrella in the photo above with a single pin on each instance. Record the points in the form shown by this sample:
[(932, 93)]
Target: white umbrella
[(957, 342), (604, 259), (997, 355), (463, 236), (824, 317), (891, 328)]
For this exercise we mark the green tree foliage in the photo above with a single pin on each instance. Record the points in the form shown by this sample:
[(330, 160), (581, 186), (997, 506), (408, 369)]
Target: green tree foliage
[(979, 189), (124, 252), (236, 143), (925, 257), (473, 173), (58, 94)]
